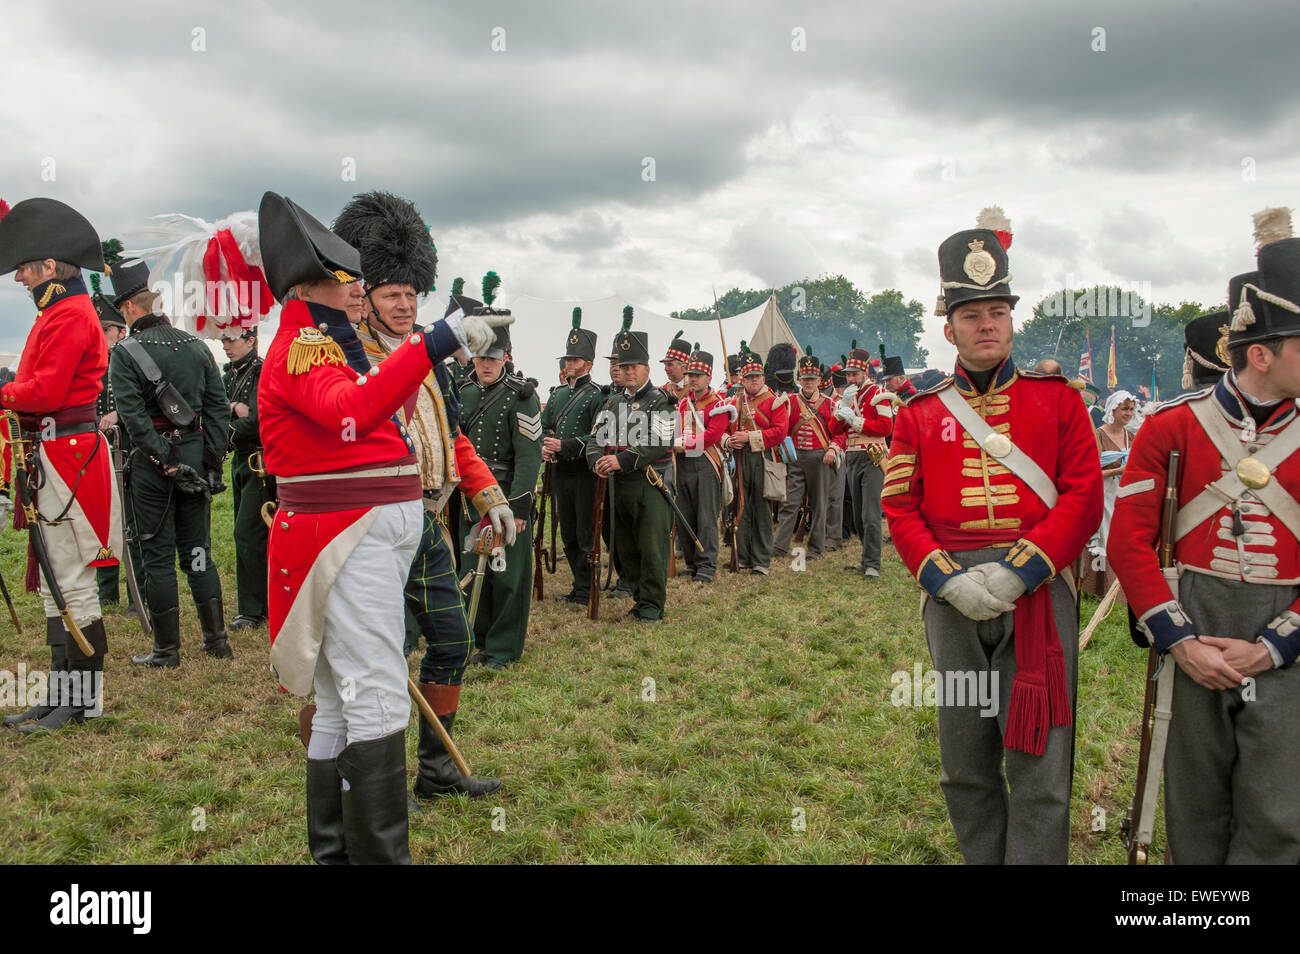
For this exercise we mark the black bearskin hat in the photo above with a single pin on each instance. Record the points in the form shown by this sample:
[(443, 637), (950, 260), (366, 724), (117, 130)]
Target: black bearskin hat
[(781, 363), (395, 245)]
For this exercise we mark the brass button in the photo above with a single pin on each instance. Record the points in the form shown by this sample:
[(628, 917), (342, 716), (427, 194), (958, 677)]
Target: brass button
[(283, 525)]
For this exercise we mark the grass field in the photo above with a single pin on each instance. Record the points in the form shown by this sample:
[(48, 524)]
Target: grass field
[(767, 735)]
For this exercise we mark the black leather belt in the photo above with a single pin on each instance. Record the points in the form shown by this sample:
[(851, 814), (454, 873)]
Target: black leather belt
[(65, 430)]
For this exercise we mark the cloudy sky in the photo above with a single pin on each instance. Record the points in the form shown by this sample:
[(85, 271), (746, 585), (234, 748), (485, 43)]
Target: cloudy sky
[(1128, 142)]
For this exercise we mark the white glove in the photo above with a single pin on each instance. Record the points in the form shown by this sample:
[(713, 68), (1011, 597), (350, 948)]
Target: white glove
[(967, 594), (1001, 583), (480, 331), (845, 413), (849, 395), (503, 522)]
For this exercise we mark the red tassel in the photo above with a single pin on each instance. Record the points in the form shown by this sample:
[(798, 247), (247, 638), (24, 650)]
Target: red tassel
[(1057, 696), (1027, 717), (32, 581)]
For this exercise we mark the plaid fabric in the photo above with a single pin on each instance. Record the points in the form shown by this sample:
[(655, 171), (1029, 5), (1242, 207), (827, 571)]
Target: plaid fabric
[(432, 594), (699, 367)]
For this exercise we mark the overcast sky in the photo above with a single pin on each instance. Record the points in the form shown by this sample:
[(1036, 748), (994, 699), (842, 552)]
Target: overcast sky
[(788, 139)]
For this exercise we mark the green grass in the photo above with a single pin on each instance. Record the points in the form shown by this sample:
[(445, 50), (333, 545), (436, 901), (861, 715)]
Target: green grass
[(771, 704)]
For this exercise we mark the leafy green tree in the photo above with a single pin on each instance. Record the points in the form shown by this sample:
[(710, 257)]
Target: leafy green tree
[(1147, 336)]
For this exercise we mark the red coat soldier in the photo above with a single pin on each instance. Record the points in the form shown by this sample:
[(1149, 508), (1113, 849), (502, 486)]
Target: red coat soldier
[(992, 488), (762, 418), (52, 400), (703, 417), (864, 418), (819, 452), (347, 528), (1228, 611)]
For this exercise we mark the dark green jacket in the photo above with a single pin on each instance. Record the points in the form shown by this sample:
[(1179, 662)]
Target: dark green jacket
[(507, 435), (640, 429), (579, 415), (187, 363), (240, 381)]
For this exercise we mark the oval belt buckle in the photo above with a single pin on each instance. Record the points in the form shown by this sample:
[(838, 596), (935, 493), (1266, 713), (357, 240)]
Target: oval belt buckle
[(1253, 472), (997, 445)]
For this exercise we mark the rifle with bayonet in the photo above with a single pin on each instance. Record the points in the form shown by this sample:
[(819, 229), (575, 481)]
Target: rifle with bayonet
[(128, 533), (539, 524), (1155, 703), (597, 528)]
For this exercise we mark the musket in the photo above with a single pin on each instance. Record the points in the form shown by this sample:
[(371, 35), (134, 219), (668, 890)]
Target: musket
[(13, 613), (657, 482), (539, 537), (23, 459), (1155, 703), (597, 526), (132, 588)]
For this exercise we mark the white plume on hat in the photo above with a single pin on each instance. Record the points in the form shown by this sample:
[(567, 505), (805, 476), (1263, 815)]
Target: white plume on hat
[(1272, 225), (992, 217)]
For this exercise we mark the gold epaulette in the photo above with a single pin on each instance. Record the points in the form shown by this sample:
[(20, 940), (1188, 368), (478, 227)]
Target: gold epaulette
[(312, 348)]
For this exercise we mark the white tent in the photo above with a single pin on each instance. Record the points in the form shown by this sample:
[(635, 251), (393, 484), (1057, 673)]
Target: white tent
[(537, 336)]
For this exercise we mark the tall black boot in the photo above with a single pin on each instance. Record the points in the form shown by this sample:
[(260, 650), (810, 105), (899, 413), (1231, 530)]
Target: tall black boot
[(79, 691), (213, 622), (55, 635), (374, 801), (166, 640), (325, 812), (438, 774)]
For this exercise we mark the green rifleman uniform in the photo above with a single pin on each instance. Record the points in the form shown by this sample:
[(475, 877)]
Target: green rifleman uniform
[(251, 490)]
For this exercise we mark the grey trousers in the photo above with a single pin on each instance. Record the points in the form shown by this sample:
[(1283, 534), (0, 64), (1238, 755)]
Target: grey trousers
[(754, 535), (1232, 768), (1006, 806), (865, 483), (806, 475), (699, 496), (835, 504)]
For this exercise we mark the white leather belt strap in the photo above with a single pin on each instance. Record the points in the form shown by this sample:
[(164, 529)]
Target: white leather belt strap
[(399, 470), (1228, 489), (1018, 462)]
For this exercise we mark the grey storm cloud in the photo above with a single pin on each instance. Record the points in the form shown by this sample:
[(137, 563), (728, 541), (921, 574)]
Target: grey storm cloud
[(771, 251)]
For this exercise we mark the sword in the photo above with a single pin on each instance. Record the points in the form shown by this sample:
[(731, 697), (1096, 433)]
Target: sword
[(132, 589), (483, 546), (657, 482), (13, 613), (22, 451)]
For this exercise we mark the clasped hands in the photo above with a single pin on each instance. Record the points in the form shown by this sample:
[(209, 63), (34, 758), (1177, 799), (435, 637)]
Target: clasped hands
[(983, 592)]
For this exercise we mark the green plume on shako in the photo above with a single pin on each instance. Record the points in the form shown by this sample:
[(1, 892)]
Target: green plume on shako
[(577, 317), (458, 286), (491, 282)]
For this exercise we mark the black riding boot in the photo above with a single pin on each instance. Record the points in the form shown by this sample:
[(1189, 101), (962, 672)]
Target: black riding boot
[(55, 635), (325, 812), (374, 801), (438, 774), (166, 640), (213, 622), (80, 689)]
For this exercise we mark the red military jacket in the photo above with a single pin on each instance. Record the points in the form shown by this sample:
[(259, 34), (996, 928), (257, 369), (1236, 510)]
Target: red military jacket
[(877, 419), (811, 422), (766, 417), (59, 377), (675, 391), (702, 425), (944, 492), (318, 417), (1266, 553)]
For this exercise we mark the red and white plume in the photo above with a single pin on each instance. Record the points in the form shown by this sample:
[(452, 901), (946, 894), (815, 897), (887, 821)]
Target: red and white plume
[(213, 269), (4, 208), (992, 217)]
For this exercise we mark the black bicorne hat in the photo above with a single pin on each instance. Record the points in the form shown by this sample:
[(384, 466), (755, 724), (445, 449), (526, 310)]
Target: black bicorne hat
[(893, 367), (973, 266), (127, 277), (1205, 340), (393, 240), (581, 342), (297, 248), (678, 350), (631, 347), (37, 229)]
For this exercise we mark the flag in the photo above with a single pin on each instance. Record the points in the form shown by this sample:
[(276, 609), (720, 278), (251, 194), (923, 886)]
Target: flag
[(1112, 380), (1085, 360), (1155, 391)]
